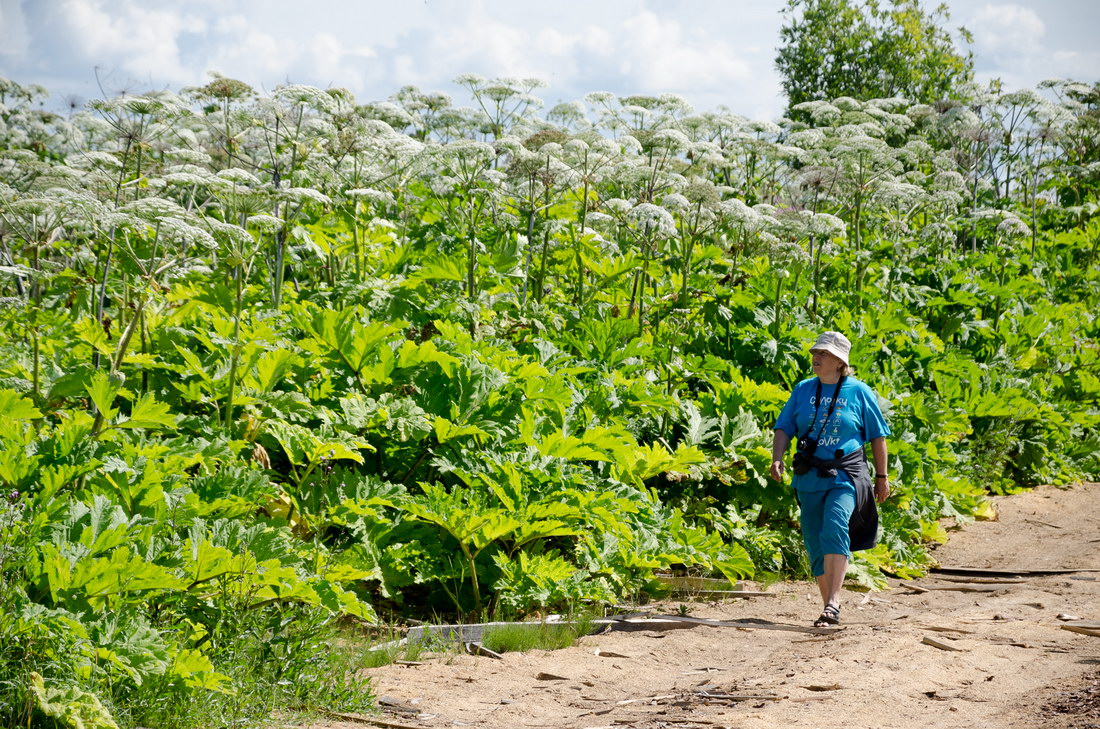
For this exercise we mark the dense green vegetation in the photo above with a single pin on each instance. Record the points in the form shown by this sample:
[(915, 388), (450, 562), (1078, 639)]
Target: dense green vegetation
[(270, 361)]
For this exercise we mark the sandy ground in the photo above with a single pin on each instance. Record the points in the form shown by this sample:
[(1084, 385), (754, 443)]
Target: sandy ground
[(1003, 662)]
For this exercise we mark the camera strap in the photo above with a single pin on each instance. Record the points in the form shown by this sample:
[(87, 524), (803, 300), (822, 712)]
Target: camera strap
[(828, 413)]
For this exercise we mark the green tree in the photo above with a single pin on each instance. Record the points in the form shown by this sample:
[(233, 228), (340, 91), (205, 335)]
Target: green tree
[(870, 49)]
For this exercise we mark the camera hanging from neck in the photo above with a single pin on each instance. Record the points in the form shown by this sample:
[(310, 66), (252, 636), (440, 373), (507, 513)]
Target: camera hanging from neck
[(828, 413)]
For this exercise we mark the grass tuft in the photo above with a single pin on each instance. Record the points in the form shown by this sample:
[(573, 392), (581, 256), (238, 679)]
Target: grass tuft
[(520, 637)]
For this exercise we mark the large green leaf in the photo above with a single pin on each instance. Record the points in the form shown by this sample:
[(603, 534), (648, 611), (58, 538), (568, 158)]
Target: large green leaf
[(71, 706), (15, 407), (147, 412)]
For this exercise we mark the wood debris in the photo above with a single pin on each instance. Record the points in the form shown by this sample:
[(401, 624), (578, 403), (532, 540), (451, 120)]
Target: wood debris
[(938, 629), (952, 588), (477, 649), (704, 669), (1084, 627), (1042, 523), (738, 697), (680, 622), (389, 703), (991, 572), (821, 638), (984, 580), (624, 702), (358, 718), (942, 646)]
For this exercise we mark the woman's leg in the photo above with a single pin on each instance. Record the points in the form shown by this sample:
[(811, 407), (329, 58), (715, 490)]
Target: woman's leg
[(811, 514), (835, 547), (830, 583)]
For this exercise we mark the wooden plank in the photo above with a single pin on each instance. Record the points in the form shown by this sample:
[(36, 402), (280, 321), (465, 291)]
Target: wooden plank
[(990, 572), (391, 704), (1042, 523), (636, 624), (953, 588), (942, 646), (624, 702), (473, 633), (358, 718), (477, 649), (675, 622), (1094, 632), (984, 580), (938, 629), (739, 697)]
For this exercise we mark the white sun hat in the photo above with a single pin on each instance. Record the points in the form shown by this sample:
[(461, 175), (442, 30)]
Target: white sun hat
[(834, 343)]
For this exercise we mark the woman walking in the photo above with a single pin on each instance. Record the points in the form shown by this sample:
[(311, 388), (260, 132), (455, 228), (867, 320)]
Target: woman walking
[(831, 417)]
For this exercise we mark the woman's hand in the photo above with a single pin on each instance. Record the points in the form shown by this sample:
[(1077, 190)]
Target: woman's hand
[(882, 489), (780, 442)]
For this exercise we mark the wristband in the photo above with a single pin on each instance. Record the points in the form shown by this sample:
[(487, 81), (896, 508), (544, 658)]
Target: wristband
[(881, 475)]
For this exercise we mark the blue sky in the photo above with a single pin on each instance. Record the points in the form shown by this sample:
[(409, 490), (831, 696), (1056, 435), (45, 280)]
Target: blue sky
[(713, 52)]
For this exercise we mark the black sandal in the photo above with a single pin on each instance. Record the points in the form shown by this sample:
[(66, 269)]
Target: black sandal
[(829, 616)]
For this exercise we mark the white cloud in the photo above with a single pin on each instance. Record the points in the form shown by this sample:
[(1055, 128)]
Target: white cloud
[(13, 29), (1007, 29), (141, 40), (660, 57), (646, 53), (245, 52), (1076, 65), (1011, 44), (330, 63)]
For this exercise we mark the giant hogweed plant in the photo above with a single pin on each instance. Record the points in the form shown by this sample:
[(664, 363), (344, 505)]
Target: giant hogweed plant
[(270, 360)]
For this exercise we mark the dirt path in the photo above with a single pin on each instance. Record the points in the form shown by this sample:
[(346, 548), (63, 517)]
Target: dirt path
[(1012, 666)]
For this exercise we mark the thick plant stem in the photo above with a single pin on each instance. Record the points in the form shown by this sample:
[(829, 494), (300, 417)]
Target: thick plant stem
[(471, 280), (36, 297), (120, 354), (235, 358), (101, 297), (778, 294), (280, 265), (127, 335), (36, 374), (578, 242), (527, 256), (542, 266), (472, 560)]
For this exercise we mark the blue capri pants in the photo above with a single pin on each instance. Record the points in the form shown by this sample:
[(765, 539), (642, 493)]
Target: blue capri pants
[(825, 516)]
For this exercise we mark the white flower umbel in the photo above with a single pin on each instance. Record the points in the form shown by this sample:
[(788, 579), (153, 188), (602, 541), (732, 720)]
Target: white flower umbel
[(264, 222), (654, 220), (1013, 228), (240, 177)]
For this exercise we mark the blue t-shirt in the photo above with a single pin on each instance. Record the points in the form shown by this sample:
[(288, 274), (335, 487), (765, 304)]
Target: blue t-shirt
[(856, 420)]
